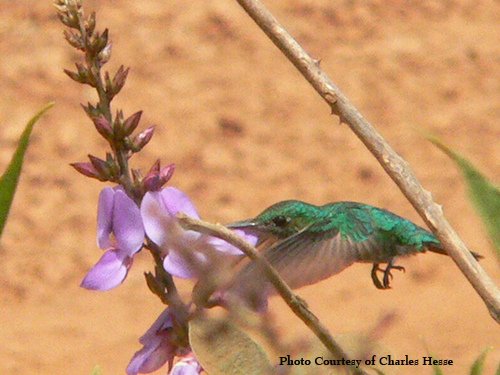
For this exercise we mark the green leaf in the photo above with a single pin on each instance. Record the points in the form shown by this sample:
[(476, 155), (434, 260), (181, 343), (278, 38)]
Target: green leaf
[(96, 370), (478, 365), (484, 195), (8, 182), (436, 370), (222, 348)]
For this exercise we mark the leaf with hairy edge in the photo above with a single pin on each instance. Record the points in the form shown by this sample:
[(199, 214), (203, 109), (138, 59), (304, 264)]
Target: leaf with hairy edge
[(8, 182), (484, 195), (224, 349)]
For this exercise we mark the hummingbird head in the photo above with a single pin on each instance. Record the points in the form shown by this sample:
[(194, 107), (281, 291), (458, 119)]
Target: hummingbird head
[(282, 219)]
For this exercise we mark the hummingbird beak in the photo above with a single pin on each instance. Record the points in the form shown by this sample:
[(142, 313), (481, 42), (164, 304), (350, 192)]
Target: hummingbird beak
[(251, 226), (244, 224)]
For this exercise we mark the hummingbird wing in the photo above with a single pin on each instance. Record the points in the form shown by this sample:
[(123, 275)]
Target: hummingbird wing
[(307, 257)]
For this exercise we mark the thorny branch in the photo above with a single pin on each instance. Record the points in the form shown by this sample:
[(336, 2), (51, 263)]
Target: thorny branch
[(395, 166)]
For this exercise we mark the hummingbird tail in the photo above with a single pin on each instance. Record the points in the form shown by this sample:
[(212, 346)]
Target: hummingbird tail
[(437, 248)]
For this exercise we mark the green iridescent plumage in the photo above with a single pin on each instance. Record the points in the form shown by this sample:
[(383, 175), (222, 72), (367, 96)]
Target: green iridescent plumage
[(355, 221), (316, 242)]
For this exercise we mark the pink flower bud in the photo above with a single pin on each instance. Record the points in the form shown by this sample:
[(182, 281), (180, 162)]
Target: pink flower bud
[(166, 173), (105, 54), (152, 180), (119, 79), (87, 169), (131, 123), (101, 167), (103, 126), (143, 138)]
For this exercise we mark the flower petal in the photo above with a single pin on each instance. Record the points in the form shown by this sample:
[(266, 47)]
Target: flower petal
[(152, 356), (163, 322), (187, 366), (105, 217), (175, 264), (175, 201), (108, 272), (251, 238), (154, 217), (227, 248), (127, 223), (160, 223)]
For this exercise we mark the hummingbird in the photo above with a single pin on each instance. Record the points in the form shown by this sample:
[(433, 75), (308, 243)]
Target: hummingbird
[(312, 243)]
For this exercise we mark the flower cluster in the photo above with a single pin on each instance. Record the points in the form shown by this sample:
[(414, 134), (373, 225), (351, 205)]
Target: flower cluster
[(138, 211), (122, 227)]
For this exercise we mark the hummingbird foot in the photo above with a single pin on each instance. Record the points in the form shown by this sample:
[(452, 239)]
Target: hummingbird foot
[(385, 284), (375, 278), (387, 272)]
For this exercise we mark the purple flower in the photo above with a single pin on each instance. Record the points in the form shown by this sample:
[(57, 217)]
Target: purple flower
[(187, 252), (120, 232), (188, 365), (158, 347)]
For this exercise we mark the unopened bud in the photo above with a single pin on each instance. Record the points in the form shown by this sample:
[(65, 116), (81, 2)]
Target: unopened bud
[(130, 124), (136, 177), (105, 54), (68, 19), (157, 177), (91, 111), (74, 39), (75, 76), (81, 75), (91, 22), (118, 126), (100, 166), (60, 5), (103, 126), (100, 41), (152, 180), (82, 70), (108, 86), (142, 139), (87, 169), (166, 173), (155, 168), (119, 79)]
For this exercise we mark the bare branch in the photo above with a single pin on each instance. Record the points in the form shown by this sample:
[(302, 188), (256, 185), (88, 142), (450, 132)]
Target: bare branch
[(397, 168), (296, 304)]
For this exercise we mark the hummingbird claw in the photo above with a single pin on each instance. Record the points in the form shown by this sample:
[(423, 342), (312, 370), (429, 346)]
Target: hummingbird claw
[(375, 278), (385, 284), (388, 275)]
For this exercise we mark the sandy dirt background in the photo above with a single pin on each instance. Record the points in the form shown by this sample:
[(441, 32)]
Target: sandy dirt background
[(245, 130)]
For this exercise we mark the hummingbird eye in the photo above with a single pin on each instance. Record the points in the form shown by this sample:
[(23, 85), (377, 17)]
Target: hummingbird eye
[(280, 221)]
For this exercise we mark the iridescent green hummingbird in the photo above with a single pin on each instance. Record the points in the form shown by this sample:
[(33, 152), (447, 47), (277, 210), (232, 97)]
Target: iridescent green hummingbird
[(313, 243)]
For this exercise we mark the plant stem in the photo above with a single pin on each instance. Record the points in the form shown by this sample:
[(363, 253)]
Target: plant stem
[(395, 166), (296, 304), (94, 65)]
